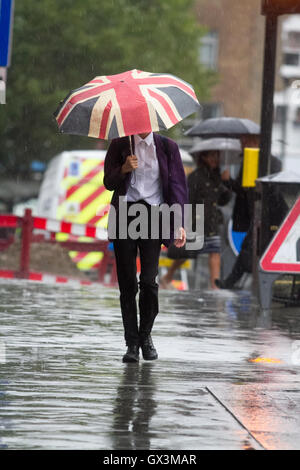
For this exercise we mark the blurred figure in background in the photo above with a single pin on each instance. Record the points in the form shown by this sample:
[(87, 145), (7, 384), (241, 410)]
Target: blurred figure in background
[(243, 214), (205, 187)]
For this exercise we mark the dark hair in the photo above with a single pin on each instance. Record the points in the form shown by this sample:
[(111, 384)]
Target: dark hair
[(205, 153)]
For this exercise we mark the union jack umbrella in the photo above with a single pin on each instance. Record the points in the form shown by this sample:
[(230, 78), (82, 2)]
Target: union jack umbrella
[(129, 103)]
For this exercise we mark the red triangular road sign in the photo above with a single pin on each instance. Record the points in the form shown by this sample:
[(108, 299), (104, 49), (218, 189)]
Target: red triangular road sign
[(283, 253)]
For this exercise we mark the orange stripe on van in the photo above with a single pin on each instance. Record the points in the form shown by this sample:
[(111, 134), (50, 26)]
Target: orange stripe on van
[(79, 256), (104, 211), (92, 197), (95, 219), (84, 180)]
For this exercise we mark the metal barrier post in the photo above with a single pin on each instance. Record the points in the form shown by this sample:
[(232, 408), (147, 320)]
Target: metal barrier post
[(27, 226)]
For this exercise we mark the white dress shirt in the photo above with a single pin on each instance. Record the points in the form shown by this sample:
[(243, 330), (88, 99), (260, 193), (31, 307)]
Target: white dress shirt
[(145, 182)]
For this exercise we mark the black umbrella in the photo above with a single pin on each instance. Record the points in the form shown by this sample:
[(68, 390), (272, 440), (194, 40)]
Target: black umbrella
[(224, 127), (217, 143), (230, 149)]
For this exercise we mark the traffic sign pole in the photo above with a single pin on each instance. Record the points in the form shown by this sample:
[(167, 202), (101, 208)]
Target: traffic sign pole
[(6, 27), (6, 22)]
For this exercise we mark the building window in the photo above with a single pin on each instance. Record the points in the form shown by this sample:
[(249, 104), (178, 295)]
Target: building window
[(297, 117), (280, 114), (294, 39), (291, 59), (211, 110), (209, 50)]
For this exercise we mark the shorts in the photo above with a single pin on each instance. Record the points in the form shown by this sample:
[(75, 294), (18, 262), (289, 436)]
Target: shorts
[(211, 245)]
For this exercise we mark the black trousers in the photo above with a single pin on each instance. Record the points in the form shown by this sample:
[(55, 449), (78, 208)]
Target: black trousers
[(243, 263), (126, 253)]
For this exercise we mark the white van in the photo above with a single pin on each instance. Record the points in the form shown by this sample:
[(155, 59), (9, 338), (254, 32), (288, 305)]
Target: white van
[(73, 190)]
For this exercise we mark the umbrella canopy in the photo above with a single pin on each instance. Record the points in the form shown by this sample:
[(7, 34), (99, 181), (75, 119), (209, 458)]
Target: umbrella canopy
[(132, 102), (281, 177), (224, 127), (230, 149), (220, 144)]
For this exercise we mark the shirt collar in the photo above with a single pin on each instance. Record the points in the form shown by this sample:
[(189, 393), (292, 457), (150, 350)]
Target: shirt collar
[(149, 139)]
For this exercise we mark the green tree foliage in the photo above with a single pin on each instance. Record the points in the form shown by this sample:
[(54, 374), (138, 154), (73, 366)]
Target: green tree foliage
[(60, 45)]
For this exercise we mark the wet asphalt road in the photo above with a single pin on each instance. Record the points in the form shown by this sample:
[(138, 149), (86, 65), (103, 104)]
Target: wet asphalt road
[(63, 385)]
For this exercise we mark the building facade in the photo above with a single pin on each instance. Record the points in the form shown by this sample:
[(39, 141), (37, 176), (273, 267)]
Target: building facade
[(234, 47), (286, 128)]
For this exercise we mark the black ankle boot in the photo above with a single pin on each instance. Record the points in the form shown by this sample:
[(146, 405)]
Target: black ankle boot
[(148, 349), (132, 353), (226, 284)]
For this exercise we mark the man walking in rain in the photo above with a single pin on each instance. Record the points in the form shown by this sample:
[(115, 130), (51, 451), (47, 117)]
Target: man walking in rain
[(151, 174)]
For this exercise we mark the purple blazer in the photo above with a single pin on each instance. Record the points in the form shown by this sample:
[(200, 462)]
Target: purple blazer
[(173, 179)]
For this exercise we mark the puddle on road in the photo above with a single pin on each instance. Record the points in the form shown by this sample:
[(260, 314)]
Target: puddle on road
[(63, 385)]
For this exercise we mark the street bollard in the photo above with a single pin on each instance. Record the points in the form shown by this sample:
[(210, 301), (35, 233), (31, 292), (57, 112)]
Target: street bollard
[(250, 167), (27, 227)]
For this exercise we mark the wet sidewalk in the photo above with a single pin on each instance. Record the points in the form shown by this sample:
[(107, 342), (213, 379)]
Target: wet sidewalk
[(227, 376)]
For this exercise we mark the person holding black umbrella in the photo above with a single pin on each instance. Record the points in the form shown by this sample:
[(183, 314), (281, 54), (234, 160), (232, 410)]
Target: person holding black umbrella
[(243, 215), (205, 187), (243, 212)]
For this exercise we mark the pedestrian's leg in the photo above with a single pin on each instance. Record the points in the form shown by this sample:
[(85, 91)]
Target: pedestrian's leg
[(242, 264), (165, 282), (235, 275), (148, 299), (125, 253), (214, 262)]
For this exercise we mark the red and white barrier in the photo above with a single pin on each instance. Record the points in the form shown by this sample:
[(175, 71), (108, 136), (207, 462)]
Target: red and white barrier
[(9, 221), (60, 226), (56, 226), (47, 278), (52, 279), (29, 223)]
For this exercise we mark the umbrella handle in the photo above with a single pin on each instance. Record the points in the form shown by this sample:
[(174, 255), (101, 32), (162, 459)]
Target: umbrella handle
[(130, 143), (133, 176)]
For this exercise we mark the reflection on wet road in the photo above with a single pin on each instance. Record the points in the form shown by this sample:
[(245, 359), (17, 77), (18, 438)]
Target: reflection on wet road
[(227, 376)]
